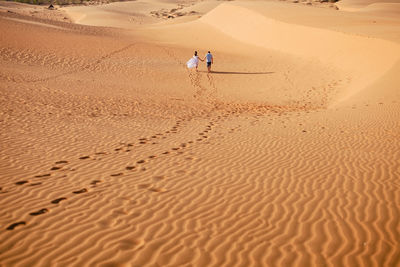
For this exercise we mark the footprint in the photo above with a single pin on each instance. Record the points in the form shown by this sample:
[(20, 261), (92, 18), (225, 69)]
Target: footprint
[(129, 168), (61, 162), (158, 189), (58, 200), (55, 168), (84, 190), (144, 186), (117, 174), (84, 157), (21, 182), (166, 153), (34, 184), (43, 175), (2, 192), (159, 177), (132, 244), (95, 182), (39, 212), (141, 161), (107, 222), (12, 226), (152, 157)]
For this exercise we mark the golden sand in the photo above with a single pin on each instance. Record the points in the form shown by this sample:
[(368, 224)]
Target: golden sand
[(113, 153)]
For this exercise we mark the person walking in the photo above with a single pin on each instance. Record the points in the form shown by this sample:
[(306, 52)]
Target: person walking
[(194, 61), (210, 60)]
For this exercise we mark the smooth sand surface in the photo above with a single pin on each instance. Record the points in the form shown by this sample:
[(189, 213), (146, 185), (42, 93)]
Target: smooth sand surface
[(113, 153)]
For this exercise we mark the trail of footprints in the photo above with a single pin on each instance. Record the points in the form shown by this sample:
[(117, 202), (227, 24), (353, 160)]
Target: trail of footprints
[(60, 165), (55, 201), (127, 147)]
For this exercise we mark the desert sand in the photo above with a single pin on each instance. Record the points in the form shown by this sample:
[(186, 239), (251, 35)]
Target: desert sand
[(113, 153)]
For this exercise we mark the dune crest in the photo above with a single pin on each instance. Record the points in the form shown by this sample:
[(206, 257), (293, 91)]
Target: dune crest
[(366, 59)]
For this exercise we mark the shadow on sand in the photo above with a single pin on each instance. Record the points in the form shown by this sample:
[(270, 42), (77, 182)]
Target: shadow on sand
[(236, 72)]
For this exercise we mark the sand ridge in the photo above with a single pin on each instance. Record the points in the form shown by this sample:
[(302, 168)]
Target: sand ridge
[(328, 47), (114, 153)]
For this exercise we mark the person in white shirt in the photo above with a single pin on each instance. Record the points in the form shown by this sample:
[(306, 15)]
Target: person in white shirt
[(194, 61)]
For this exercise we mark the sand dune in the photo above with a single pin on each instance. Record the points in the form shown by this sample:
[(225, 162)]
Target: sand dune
[(354, 5), (113, 153), (353, 54), (386, 9)]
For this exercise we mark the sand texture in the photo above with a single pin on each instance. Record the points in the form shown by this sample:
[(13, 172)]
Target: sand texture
[(113, 153)]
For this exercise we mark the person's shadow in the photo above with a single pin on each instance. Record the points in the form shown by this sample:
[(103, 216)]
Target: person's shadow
[(237, 72)]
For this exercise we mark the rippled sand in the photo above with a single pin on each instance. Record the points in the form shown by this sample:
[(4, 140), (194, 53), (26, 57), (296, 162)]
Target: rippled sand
[(113, 153)]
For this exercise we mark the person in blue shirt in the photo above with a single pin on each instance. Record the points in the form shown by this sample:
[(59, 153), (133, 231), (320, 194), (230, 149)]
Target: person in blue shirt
[(210, 60)]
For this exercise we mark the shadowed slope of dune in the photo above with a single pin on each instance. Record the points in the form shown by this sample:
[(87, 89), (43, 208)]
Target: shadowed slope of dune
[(386, 8), (365, 59)]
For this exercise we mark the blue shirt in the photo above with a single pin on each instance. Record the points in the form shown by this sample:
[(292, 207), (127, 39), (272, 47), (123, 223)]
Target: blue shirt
[(209, 57)]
